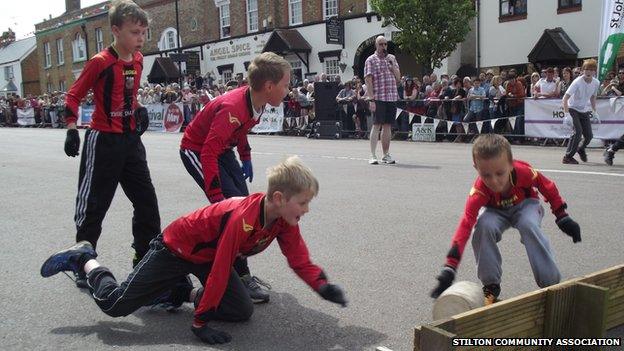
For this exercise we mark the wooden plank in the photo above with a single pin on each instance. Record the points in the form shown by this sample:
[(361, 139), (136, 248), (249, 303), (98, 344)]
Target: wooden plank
[(500, 317), (497, 311), (417, 332), (590, 310), (513, 324), (557, 316), (433, 338)]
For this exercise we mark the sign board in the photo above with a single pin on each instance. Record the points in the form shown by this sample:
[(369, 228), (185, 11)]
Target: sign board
[(334, 31), (423, 132), (192, 64), (179, 57)]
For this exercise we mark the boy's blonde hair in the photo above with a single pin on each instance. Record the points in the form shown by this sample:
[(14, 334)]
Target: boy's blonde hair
[(291, 177), (590, 64), (265, 67), (126, 9), (489, 146)]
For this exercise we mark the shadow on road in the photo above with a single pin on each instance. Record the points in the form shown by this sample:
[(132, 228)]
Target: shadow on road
[(283, 324), (407, 166)]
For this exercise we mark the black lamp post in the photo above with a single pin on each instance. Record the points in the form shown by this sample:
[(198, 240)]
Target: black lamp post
[(178, 42)]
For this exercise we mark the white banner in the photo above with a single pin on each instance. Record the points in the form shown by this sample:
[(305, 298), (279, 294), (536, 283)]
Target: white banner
[(165, 117), (544, 119), (271, 121), (26, 117)]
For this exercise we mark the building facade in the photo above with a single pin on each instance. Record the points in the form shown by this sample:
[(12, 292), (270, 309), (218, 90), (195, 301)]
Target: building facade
[(227, 34), (514, 33), (65, 43), (19, 73)]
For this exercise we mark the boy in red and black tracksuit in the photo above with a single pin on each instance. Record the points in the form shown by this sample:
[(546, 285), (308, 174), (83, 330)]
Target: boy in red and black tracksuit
[(207, 146), (112, 151), (206, 243), (507, 191)]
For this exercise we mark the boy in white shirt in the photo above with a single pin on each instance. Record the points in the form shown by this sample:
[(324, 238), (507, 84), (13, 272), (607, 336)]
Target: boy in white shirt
[(579, 102)]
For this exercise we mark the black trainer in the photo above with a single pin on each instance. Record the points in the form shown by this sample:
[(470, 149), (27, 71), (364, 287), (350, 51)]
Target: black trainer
[(569, 161), (490, 294), (81, 279), (256, 292), (582, 155), (68, 260), (608, 156), (172, 300)]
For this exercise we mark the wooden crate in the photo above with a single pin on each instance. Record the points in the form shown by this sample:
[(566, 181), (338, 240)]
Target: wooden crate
[(581, 307)]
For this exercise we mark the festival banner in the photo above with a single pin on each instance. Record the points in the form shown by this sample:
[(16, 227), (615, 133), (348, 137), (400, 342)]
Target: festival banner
[(86, 113), (611, 35), (544, 119), (271, 121), (26, 116), (165, 117)]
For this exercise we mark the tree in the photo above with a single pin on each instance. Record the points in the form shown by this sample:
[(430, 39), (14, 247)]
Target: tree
[(429, 29)]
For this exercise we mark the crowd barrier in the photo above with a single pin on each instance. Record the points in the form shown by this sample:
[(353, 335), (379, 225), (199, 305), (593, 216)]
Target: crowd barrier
[(539, 118)]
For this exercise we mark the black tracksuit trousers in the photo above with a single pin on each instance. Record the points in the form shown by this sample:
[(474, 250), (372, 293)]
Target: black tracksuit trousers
[(109, 159)]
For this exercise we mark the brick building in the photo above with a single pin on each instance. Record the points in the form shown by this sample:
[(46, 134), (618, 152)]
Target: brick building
[(65, 43), (227, 34)]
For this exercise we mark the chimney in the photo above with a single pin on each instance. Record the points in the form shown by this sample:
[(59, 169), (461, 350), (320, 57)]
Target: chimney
[(72, 5)]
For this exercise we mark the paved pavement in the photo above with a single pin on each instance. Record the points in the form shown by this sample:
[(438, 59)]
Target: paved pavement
[(382, 232)]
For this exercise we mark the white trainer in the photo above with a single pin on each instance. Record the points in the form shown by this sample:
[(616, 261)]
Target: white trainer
[(373, 160), (387, 159)]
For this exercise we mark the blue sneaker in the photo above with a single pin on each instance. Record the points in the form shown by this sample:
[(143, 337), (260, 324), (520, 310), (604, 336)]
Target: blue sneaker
[(68, 259)]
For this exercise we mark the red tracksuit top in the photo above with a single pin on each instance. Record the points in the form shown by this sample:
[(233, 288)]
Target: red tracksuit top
[(219, 126), (218, 233), (115, 84), (524, 180)]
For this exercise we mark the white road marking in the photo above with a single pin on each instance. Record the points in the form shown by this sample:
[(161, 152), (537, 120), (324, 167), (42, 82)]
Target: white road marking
[(581, 172)]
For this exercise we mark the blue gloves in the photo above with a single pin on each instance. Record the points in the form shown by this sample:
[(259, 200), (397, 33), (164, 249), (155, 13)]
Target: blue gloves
[(247, 170)]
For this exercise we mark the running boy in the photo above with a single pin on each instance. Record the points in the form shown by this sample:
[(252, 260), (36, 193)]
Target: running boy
[(506, 190), (580, 102), (112, 151), (206, 243), (206, 148)]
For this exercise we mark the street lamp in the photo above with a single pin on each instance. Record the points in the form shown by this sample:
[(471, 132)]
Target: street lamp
[(178, 42)]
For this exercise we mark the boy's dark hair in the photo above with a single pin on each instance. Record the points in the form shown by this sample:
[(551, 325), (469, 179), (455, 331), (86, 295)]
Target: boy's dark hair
[(126, 9), (489, 146), (267, 66)]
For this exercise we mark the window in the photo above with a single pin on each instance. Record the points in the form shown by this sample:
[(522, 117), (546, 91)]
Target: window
[(564, 6), (8, 72), (49, 87), (47, 57), (224, 11), (60, 54), (78, 48), (252, 15), (170, 40), (227, 76), (330, 8), (294, 12), (513, 8), (62, 85), (331, 67), (99, 40)]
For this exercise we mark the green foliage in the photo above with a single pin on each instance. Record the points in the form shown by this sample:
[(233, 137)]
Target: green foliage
[(430, 29)]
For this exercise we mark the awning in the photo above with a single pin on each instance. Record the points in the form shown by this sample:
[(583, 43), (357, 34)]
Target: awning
[(9, 87), (163, 71), (554, 45), (286, 41)]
